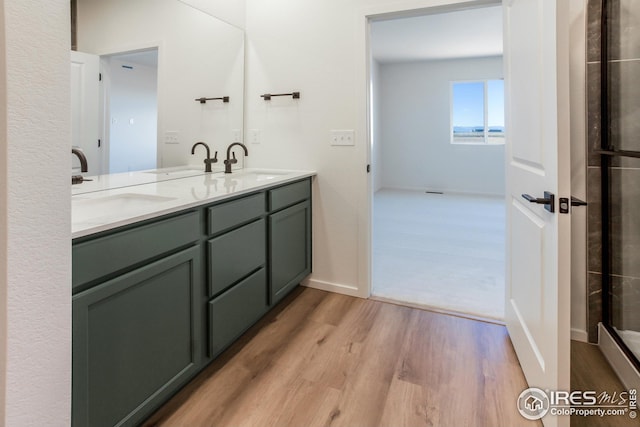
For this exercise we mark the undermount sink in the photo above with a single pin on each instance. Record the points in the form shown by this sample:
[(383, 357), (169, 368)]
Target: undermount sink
[(101, 206), (182, 171), (262, 175)]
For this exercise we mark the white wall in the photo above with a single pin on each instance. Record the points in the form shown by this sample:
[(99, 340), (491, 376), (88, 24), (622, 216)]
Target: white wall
[(199, 56), (319, 49), (416, 148), (35, 245), (231, 11), (133, 96), (375, 124)]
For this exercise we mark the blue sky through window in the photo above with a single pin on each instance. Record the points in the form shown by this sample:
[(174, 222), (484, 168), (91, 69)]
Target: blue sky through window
[(468, 104), (474, 120), (495, 103)]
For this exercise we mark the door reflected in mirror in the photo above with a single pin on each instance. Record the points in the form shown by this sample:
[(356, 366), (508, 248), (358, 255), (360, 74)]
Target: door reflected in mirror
[(155, 58), (131, 110)]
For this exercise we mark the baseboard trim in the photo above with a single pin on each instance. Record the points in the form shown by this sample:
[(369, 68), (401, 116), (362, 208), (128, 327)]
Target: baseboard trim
[(621, 365), (579, 335), (444, 191), (334, 287)]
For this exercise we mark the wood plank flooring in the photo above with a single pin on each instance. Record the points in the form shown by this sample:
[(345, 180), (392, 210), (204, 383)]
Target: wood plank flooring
[(591, 371), (324, 359)]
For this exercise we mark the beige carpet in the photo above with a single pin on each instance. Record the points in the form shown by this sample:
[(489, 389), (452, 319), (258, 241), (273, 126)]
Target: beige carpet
[(443, 251)]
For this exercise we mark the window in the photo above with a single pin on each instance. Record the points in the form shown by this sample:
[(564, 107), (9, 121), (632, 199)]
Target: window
[(477, 112)]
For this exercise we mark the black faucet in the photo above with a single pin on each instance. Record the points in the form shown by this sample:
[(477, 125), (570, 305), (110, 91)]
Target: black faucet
[(229, 161), (78, 179), (208, 161), (83, 159)]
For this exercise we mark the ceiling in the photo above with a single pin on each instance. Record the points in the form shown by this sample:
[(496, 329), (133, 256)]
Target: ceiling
[(148, 58), (467, 33)]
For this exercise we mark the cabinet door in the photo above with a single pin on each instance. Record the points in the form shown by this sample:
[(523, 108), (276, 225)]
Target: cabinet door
[(290, 248), (236, 310), (135, 340)]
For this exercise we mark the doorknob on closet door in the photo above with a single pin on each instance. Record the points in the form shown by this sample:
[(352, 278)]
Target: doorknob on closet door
[(548, 200)]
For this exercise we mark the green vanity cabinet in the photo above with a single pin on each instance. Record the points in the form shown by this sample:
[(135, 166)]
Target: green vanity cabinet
[(236, 258), (135, 340), (289, 248), (235, 254), (237, 309), (227, 215), (289, 237), (154, 302), (95, 258)]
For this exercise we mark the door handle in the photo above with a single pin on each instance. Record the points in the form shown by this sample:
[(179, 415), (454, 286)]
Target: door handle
[(565, 203), (577, 202), (548, 201)]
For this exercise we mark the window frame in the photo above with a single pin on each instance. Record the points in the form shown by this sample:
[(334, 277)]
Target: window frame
[(485, 139)]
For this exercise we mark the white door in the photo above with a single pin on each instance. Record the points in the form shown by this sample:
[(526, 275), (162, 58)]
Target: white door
[(538, 241), (85, 96)]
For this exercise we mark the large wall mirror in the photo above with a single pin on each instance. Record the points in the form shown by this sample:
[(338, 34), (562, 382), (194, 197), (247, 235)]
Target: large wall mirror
[(155, 58)]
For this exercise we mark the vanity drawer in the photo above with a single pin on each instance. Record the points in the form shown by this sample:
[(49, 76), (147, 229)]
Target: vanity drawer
[(235, 254), (102, 256), (227, 215), (289, 194), (236, 310)]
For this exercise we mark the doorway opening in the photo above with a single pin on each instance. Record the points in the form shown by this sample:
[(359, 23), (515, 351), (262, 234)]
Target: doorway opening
[(437, 132), (131, 109), (114, 103)]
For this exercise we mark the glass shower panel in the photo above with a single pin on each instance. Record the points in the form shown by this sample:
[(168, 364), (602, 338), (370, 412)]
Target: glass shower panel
[(624, 93), (623, 41), (621, 255), (624, 251)]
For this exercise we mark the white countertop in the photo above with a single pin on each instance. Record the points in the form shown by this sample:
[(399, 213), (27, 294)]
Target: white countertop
[(128, 179), (101, 207)]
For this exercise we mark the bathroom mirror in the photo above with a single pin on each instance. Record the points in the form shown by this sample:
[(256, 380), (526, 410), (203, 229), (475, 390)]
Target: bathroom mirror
[(155, 58)]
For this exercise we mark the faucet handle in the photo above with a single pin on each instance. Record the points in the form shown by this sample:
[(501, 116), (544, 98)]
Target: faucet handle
[(79, 179), (234, 160), (214, 160)]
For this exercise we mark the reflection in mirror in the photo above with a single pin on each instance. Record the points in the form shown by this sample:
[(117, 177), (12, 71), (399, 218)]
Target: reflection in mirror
[(155, 57), (132, 109)]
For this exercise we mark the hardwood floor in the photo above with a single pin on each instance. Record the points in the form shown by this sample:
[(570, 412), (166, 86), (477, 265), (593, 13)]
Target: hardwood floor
[(324, 359), (591, 371)]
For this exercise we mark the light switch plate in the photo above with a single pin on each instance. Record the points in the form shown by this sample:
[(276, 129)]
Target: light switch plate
[(236, 135), (254, 136), (171, 137), (343, 137)]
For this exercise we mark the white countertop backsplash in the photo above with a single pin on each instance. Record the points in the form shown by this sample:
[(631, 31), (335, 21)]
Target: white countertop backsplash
[(115, 200)]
